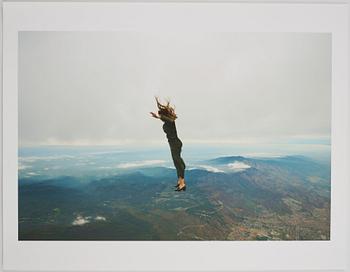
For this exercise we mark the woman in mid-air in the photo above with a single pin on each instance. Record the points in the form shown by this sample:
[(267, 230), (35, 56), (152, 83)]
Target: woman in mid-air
[(166, 113)]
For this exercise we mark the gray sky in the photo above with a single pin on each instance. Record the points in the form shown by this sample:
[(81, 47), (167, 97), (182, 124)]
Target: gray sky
[(98, 87)]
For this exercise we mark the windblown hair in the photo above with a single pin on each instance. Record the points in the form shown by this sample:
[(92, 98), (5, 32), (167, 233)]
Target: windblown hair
[(166, 110)]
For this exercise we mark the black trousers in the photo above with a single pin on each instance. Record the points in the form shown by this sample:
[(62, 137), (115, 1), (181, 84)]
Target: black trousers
[(175, 148)]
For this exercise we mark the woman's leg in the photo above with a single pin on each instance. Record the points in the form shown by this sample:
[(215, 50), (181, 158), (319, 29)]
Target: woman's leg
[(178, 161)]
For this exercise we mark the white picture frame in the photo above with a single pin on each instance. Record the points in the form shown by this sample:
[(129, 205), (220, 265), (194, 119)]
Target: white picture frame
[(276, 16)]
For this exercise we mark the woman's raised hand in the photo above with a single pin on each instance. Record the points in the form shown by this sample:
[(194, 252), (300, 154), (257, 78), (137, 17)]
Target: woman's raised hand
[(154, 115)]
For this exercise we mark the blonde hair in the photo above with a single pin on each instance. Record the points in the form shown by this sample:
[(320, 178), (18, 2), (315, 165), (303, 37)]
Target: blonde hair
[(166, 109)]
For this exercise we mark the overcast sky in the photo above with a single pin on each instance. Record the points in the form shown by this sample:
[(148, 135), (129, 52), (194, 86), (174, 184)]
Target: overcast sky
[(98, 87)]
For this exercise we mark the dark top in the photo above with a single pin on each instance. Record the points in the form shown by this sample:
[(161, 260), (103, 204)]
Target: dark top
[(170, 131)]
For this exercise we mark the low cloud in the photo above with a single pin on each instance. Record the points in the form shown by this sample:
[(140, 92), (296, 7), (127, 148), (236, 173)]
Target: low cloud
[(22, 166), (211, 169), (140, 163), (80, 220), (32, 174), (44, 158), (238, 166)]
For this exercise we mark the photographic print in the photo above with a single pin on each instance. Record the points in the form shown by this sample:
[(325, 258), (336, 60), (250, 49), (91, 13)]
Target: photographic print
[(166, 136)]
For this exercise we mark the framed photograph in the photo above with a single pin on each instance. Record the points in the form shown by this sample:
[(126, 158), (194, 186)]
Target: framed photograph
[(175, 136)]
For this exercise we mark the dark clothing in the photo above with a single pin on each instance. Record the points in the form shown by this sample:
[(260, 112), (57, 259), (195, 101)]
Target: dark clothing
[(175, 147), (179, 163), (170, 131)]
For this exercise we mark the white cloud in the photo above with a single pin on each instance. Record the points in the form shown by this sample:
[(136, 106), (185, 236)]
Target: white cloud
[(32, 174), (261, 155), (140, 163), (106, 152), (44, 158), (105, 167), (211, 168), (22, 166), (238, 166), (80, 220)]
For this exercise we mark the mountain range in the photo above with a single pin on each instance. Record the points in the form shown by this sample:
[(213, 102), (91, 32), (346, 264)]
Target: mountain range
[(227, 198)]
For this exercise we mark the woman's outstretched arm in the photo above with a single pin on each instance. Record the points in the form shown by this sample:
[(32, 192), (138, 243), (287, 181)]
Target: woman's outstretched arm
[(155, 115), (161, 117)]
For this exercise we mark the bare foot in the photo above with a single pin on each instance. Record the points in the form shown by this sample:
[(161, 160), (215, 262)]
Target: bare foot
[(181, 183)]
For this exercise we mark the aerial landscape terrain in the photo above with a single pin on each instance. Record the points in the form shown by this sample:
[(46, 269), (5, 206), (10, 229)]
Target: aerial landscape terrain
[(111, 194)]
